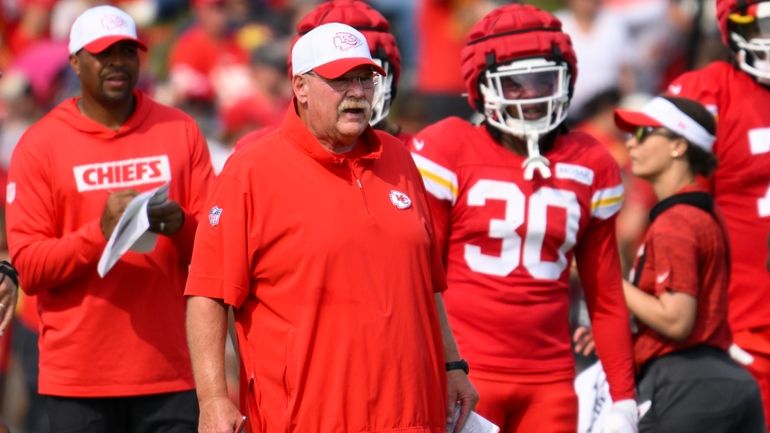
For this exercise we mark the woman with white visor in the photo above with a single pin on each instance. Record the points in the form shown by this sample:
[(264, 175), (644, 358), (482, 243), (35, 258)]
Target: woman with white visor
[(677, 289)]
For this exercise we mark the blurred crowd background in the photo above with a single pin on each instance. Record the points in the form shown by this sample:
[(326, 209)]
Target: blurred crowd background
[(224, 62)]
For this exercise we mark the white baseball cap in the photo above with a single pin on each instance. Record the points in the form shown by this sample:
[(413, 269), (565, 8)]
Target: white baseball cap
[(331, 50), (99, 27)]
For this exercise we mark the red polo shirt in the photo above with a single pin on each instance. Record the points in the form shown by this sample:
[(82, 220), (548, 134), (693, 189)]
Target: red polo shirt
[(330, 264)]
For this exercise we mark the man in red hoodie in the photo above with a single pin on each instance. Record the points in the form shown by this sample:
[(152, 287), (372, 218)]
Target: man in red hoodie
[(113, 356)]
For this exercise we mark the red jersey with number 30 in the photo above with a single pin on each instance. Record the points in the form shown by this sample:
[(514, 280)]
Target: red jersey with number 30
[(741, 182), (508, 244)]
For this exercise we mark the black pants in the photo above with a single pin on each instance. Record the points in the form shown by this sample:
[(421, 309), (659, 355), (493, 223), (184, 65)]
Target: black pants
[(700, 390), (159, 413)]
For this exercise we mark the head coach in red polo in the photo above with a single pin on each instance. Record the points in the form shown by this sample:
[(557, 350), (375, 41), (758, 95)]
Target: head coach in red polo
[(319, 238)]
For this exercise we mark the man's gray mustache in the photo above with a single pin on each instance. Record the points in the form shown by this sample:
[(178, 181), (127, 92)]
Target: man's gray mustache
[(355, 105)]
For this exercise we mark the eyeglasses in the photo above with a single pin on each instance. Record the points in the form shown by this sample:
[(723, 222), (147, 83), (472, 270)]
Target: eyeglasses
[(643, 132), (345, 82)]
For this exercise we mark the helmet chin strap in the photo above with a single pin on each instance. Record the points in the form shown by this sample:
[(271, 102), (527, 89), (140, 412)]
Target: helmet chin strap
[(535, 161)]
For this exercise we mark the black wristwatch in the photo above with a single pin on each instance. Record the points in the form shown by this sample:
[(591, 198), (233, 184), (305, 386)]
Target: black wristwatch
[(458, 365)]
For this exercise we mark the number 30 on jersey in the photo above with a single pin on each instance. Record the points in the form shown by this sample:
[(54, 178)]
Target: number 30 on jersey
[(514, 252)]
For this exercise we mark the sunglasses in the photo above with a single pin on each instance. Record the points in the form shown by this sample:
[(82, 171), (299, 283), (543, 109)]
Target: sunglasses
[(643, 132)]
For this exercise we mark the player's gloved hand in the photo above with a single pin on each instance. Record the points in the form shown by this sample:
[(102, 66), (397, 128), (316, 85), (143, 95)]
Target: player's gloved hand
[(623, 418), (739, 355)]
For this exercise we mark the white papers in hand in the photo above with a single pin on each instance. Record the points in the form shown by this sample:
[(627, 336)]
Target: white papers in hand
[(131, 230), (475, 424)]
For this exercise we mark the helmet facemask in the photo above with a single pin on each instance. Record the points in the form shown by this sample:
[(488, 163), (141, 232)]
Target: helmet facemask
[(527, 99), (383, 93), (750, 34)]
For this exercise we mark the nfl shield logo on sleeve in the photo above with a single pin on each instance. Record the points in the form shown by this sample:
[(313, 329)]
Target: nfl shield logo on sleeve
[(214, 215)]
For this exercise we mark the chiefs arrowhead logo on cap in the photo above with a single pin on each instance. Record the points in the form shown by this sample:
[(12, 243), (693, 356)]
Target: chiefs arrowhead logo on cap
[(113, 21), (344, 41)]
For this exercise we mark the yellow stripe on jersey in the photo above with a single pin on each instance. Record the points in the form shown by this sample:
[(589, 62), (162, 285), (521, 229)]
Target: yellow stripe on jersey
[(439, 181), (607, 202)]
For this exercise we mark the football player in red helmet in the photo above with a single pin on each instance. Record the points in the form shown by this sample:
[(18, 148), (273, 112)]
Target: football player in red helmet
[(737, 93), (382, 45), (745, 27), (513, 200)]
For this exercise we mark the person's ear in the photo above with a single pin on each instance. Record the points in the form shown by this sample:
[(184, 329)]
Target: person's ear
[(678, 147), (299, 85), (75, 63)]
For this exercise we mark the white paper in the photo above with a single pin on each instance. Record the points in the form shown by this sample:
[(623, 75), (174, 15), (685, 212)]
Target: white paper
[(475, 423), (131, 230), (146, 242)]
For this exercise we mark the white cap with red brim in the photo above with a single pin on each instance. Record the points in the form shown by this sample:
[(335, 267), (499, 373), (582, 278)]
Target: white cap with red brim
[(331, 50), (99, 27), (660, 112)]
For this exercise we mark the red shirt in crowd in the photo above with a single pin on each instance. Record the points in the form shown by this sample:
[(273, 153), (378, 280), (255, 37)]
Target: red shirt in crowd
[(441, 39), (196, 55)]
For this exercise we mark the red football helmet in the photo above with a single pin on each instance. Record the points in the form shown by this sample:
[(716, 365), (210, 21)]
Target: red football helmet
[(382, 44), (519, 70), (745, 27)]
